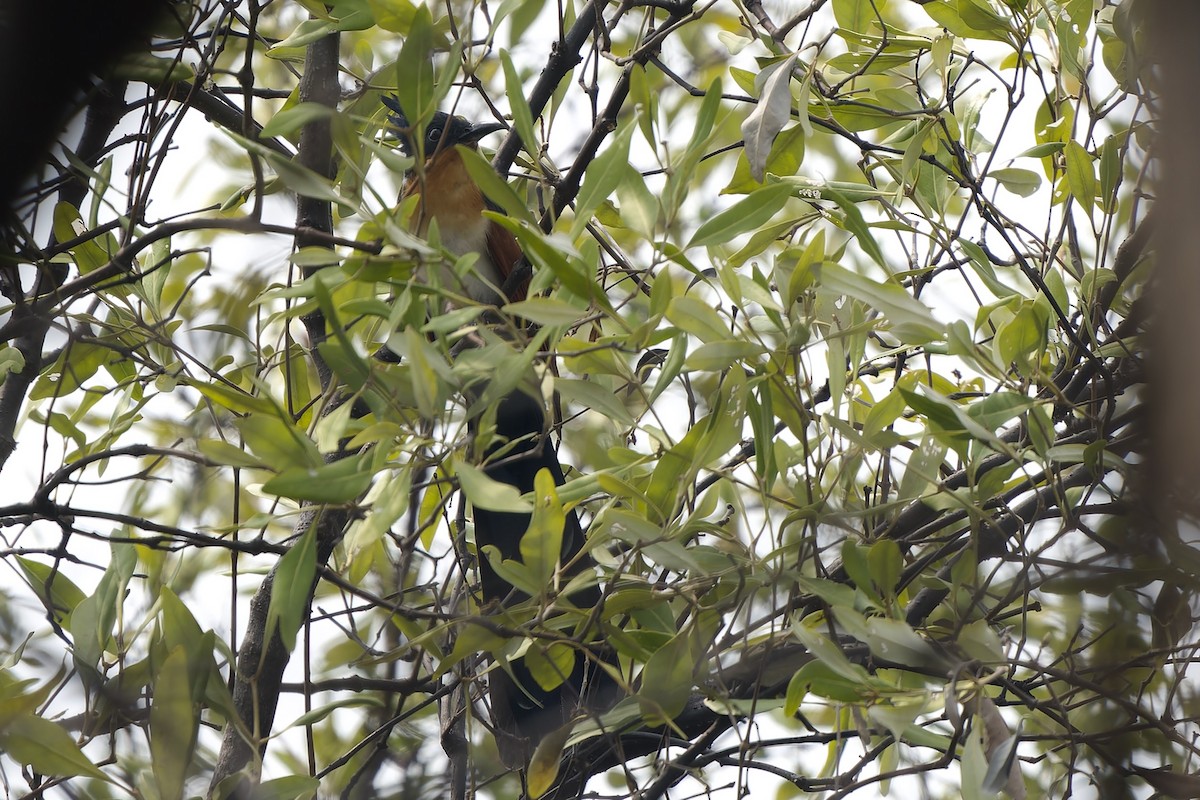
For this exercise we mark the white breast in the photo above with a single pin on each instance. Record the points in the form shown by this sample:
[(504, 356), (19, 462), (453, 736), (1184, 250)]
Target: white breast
[(482, 280)]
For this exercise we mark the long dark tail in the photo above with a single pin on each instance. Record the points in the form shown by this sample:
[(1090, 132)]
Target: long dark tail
[(523, 712)]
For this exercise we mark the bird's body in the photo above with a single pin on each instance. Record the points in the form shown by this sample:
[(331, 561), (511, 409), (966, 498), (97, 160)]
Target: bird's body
[(448, 195), (523, 713)]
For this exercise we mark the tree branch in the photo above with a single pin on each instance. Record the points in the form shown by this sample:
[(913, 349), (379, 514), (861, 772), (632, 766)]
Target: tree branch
[(263, 657)]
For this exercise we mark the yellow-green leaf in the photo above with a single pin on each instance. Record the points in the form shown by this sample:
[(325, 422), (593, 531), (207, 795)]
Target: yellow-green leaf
[(173, 725), (39, 743), (483, 492), (290, 590), (745, 215), (1081, 174)]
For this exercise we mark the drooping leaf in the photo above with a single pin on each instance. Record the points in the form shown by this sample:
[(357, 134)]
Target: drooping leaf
[(174, 724), (546, 760), (1081, 174), (541, 545), (291, 587), (667, 680), (770, 115), (521, 114)]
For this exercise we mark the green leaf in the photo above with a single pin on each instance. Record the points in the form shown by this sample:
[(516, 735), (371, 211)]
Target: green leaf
[(512, 572), (745, 215), (830, 654), (47, 748), (484, 492), (551, 253), (545, 762), (290, 788), (174, 724), (1021, 339), (974, 763), (640, 209), (291, 120), (1043, 150), (719, 356), (1021, 182), (414, 75), (93, 619), (514, 89), (296, 177), (697, 318), (970, 19), (682, 175), (602, 178), (948, 418), (922, 469), (854, 222), (667, 680), (979, 641), (983, 267), (11, 360), (785, 158), (998, 408), (494, 187), (551, 664), (1110, 175), (428, 371), (304, 34), (889, 639), (278, 442), (595, 396), (150, 69), (855, 15), (179, 627), (1081, 174), (225, 453), (341, 481), (885, 564), (395, 16), (907, 317), (707, 440), (546, 311), (292, 587), (816, 677), (89, 254), (854, 561), (541, 546), (55, 590), (77, 364), (233, 398)]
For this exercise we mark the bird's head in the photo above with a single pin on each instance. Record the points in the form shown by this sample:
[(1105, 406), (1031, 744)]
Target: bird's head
[(443, 131)]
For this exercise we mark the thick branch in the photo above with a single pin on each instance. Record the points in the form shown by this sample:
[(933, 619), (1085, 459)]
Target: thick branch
[(262, 657), (564, 56)]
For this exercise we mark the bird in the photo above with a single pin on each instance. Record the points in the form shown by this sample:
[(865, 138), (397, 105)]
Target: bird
[(449, 195), (523, 713)]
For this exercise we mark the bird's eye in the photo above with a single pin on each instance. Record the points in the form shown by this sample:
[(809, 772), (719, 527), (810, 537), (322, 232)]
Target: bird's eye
[(433, 136)]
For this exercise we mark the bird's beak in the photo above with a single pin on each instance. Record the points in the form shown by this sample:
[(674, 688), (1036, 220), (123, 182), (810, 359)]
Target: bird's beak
[(480, 130)]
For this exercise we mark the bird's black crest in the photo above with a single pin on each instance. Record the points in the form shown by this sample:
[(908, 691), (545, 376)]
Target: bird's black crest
[(443, 130)]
